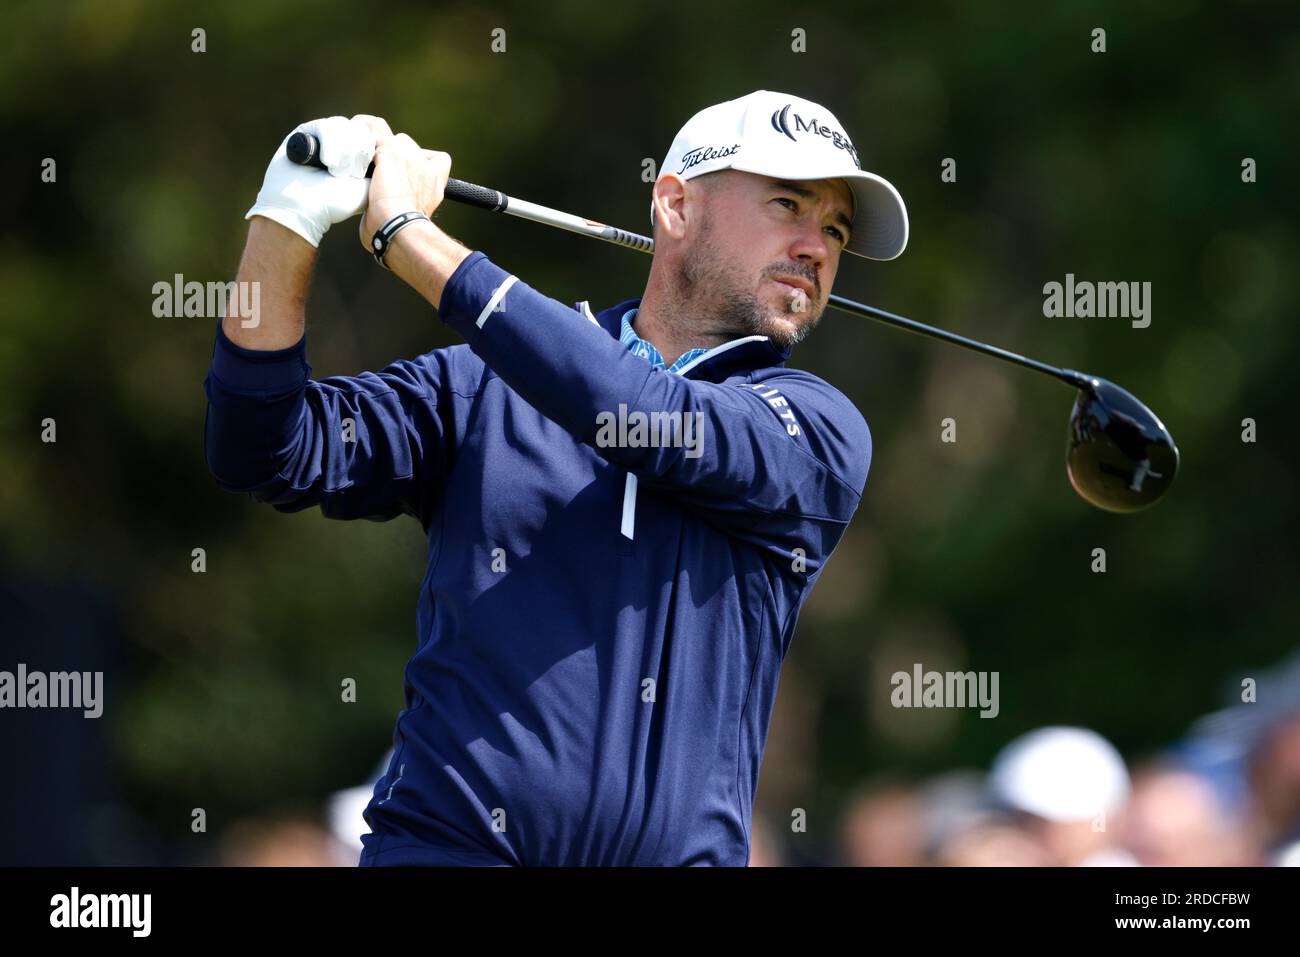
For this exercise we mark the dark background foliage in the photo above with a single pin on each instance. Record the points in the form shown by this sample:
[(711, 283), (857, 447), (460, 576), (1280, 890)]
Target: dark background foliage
[(223, 687)]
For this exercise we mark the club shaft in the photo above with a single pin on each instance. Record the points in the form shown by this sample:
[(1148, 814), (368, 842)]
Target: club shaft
[(1068, 376), (574, 224)]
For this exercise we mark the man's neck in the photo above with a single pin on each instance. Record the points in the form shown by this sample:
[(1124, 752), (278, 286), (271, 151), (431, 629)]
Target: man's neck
[(668, 326)]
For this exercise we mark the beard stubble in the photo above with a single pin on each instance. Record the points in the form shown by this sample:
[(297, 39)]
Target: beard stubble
[(704, 276)]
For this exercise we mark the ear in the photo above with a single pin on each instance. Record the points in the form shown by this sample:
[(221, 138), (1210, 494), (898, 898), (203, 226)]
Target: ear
[(669, 201)]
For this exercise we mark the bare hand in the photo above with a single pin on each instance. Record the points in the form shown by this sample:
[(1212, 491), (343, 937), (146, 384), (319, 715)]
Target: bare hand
[(406, 178)]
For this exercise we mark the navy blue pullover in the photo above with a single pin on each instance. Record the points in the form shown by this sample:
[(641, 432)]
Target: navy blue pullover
[(602, 623)]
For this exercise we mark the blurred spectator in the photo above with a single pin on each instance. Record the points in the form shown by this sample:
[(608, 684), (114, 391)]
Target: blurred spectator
[(283, 842), (764, 848), (883, 827), (952, 805), (992, 845), (1273, 772), (1174, 819), (1069, 786), (1288, 857)]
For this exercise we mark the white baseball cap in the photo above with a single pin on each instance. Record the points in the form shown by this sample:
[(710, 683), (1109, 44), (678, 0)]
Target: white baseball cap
[(1061, 774), (784, 136)]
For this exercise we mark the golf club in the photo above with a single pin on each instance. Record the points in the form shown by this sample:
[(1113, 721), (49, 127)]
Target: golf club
[(1119, 455)]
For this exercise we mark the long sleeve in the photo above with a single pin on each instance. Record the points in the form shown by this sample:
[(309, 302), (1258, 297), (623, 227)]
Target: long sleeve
[(784, 446), (372, 446)]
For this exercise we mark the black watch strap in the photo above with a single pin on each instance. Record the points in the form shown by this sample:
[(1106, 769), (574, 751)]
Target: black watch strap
[(384, 235)]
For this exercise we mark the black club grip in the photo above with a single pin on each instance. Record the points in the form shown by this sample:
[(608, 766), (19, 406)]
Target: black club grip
[(304, 149), (472, 195)]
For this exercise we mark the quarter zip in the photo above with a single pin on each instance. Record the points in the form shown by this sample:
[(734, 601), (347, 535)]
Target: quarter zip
[(695, 369), (627, 527)]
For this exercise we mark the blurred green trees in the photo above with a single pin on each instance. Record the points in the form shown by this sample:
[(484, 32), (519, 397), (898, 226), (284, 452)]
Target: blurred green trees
[(1125, 166)]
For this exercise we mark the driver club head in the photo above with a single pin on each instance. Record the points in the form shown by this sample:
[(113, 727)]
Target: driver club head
[(1120, 458)]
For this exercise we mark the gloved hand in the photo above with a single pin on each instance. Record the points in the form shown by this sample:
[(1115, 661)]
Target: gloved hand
[(308, 200)]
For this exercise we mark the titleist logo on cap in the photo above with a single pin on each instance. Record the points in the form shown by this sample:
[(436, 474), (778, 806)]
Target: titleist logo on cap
[(703, 153), (781, 123)]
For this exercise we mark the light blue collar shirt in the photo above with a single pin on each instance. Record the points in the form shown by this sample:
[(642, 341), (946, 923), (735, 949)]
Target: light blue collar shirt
[(639, 347)]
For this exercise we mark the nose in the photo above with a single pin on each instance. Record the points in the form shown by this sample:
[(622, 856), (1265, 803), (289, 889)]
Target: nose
[(810, 254), (812, 248)]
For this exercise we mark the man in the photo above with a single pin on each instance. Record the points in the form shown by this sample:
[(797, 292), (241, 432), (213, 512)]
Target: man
[(1067, 789), (626, 510)]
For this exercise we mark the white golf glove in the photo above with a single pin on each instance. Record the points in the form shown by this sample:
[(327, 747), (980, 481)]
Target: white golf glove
[(308, 200)]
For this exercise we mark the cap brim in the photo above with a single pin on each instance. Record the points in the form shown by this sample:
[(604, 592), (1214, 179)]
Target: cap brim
[(879, 217)]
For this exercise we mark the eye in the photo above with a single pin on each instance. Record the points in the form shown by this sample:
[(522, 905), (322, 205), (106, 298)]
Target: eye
[(794, 205)]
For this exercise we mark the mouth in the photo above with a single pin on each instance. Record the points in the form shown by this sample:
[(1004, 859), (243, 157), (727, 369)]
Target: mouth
[(790, 284)]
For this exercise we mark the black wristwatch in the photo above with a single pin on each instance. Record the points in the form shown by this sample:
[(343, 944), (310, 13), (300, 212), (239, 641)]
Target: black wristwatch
[(384, 235)]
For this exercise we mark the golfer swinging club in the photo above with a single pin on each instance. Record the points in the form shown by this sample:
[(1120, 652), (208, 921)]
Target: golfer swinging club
[(625, 509)]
